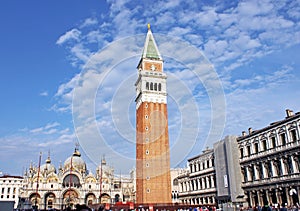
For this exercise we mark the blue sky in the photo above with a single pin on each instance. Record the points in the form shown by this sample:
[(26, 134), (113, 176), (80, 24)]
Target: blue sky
[(68, 70)]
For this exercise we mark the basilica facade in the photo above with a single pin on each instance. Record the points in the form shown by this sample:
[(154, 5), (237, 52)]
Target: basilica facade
[(48, 187)]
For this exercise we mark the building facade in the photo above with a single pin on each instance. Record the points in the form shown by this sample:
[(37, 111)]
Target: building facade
[(153, 179), (269, 159), (175, 184), (230, 195), (10, 187), (47, 187), (197, 184)]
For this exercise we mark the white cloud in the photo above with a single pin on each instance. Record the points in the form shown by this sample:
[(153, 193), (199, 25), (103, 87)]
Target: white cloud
[(253, 8), (48, 129), (73, 34), (45, 93), (89, 22)]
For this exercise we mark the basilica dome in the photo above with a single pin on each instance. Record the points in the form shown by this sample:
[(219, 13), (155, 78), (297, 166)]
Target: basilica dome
[(48, 167), (75, 161)]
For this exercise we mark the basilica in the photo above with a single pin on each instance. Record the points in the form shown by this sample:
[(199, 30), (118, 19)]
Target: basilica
[(48, 187)]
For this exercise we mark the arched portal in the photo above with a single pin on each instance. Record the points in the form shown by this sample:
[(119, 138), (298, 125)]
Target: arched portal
[(90, 199), (49, 200), (35, 199), (71, 198), (105, 198)]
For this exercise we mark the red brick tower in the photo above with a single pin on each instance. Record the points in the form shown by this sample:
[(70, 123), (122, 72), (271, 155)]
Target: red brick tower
[(152, 139)]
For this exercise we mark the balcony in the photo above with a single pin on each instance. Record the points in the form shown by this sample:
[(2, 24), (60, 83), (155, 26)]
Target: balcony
[(272, 180)]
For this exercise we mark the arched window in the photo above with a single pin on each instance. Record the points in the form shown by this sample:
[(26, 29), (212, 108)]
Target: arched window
[(155, 86), (151, 86), (147, 85), (159, 87), (71, 179)]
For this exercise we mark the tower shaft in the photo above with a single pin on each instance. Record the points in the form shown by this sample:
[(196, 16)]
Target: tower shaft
[(152, 138)]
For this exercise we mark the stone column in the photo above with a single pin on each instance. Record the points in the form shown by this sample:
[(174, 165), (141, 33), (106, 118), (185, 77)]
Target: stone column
[(267, 197), (199, 184), (212, 181), (258, 196), (207, 182), (278, 196), (288, 197), (274, 172), (243, 172), (294, 163), (255, 173), (298, 193), (186, 186), (249, 178), (264, 172), (283, 167), (251, 199), (203, 183)]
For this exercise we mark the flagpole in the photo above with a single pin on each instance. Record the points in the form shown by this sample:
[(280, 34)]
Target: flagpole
[(100, 181), (37, 183)]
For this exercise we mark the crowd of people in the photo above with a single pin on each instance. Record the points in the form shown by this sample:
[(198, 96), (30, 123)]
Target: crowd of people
[(275, 207)]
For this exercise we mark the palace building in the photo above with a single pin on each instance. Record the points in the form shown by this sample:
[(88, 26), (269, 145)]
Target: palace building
[(153, 180), (260, 167), (269, 159), (197, 185)]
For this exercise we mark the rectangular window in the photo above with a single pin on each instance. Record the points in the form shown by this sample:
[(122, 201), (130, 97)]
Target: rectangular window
[(293, 135), (282, 138), (248, 150), (242, 152), (2, 191), (256, 147), (264, 145), (273, 140)]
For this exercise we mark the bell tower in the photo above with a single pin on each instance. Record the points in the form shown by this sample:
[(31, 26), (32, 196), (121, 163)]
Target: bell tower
[(153, 180)]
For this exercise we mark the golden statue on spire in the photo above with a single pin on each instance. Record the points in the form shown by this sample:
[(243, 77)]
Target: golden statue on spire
[(148, 26)]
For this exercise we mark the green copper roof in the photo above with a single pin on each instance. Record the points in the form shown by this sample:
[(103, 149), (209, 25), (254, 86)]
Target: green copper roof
[(150, 48)]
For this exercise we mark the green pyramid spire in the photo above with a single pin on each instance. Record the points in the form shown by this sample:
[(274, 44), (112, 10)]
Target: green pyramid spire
[(150, 48)]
